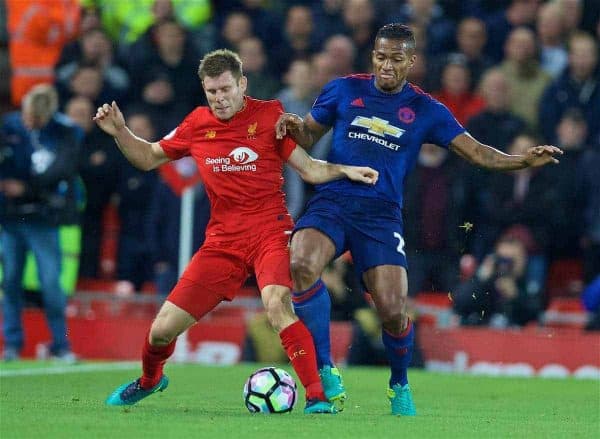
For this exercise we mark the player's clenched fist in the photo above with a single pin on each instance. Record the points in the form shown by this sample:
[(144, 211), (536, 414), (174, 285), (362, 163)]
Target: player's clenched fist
[(287, 121), (109, 118), (362, 174)]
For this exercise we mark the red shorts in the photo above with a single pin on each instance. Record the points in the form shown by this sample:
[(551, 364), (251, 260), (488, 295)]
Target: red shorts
[(219, 269)]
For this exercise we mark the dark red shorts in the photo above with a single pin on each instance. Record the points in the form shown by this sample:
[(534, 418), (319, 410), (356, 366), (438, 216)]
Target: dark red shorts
[(219, 269)]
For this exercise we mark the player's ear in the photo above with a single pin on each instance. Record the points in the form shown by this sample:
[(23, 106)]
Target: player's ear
[(413, 58), (243, 84)]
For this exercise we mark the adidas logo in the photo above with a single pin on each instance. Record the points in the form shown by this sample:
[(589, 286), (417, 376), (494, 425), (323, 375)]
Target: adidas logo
[(358, 102)]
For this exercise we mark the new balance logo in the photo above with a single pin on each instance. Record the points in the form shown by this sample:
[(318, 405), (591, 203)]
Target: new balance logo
[(358, 102)]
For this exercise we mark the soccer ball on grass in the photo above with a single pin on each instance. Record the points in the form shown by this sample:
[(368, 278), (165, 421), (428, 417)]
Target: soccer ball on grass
[(270, 390)]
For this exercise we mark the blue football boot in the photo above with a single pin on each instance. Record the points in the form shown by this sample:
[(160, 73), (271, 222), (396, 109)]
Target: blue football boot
[(131, 393), (401, 401)]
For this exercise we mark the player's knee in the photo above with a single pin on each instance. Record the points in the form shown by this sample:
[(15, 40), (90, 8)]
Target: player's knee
[(278, 307), (304, 272), (161, 334)]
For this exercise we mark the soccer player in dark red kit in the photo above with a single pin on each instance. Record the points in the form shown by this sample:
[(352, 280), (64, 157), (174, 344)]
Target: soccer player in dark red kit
[(240, 160)]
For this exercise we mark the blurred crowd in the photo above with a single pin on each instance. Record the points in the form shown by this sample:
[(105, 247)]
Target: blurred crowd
[(516, 73)]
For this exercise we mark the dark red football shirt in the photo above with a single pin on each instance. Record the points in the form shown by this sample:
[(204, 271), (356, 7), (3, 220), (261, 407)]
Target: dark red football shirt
[(241, 164)]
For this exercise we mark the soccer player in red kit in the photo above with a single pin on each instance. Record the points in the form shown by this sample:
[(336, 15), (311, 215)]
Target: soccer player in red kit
[(240, 160)]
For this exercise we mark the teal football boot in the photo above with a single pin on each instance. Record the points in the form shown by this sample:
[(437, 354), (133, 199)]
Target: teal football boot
[(316, 406), (333, 386), (401, 401), (131, 393)]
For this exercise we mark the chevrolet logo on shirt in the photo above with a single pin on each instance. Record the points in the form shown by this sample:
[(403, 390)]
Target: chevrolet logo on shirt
[(377, 126)]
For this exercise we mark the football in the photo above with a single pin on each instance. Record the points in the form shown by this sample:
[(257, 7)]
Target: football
[(270, 390)]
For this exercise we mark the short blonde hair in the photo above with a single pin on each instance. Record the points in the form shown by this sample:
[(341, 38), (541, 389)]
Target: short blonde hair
[(41, 100)]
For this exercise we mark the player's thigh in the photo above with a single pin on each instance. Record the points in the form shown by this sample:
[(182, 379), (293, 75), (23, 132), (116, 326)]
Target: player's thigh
[(314, 249), (272, 260), (212, 276)]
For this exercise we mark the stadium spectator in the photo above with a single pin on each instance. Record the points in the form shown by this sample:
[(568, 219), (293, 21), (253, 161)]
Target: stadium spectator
[(87, 81), (591, 301), (360, 22), (237, 26), (578, 86), (429, 16), (159, 101), (297, 97), (519, 13), (37, 194), (572, 11), (471, 37), (456, 90), (498, 295), (95, 50), (38, 30), (526, 78), (434, 195), (571, 137), (364, 111), (164, 216), (590, 189), (247, 214), (327, 18), (134, 192), (551, 34), (172, 54), (496, 124), (260, 82), (298, 40), (342, 50), (99, 162)]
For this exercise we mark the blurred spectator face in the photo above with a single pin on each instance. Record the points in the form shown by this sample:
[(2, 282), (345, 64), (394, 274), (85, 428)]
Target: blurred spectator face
[(158, 92), (89, 20), (299, 77), (323, 70), (520, 46), (341, 49), (422, 8), (80, 110), (225, 95), (471, 37), (521, 144), (252, 55), (96, 47), (332, 6), (162, 10), (572, 132), (38, 106), (358, 13), (432, 156), (299, 22), (141, 126), (583, 56), (87, 82), (571, 10), (550, 23), (170, 37), (522, 12), (495, 90), (456, 79), (237, 28), (511, 258)]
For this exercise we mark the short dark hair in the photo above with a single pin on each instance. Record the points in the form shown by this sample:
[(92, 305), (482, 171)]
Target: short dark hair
[(397, 31), (218, 62)]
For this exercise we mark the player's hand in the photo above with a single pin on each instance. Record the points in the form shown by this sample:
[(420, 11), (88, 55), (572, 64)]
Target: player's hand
[(287, 122), (542, 155), (110, 119), (361, 174)]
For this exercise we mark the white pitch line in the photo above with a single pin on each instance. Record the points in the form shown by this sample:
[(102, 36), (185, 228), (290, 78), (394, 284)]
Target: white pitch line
[(72, 368)]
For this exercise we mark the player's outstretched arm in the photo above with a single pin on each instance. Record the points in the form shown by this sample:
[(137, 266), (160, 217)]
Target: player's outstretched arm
[(305, 132), (140, 153), (487, 157), (315, 171)]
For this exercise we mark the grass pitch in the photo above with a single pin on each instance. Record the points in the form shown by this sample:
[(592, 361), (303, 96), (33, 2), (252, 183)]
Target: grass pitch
[(39, 400)]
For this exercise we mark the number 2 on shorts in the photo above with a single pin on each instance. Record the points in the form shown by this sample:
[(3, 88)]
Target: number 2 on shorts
[(400, 248)]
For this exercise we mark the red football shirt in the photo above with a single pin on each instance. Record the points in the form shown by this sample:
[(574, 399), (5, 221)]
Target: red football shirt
[(241, 164)]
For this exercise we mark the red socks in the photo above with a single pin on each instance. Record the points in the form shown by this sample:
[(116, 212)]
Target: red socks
[(153, 362), (300, 349)]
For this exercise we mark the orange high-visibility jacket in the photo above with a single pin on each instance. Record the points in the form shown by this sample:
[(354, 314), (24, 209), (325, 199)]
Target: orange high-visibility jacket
[(38, 30)]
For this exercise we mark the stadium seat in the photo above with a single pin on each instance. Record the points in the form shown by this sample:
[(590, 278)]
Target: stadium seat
[(565, 312), (429, 306), (565, 278)]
